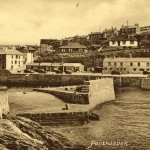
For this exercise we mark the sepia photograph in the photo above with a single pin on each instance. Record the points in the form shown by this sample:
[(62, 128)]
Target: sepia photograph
[(74, 75)]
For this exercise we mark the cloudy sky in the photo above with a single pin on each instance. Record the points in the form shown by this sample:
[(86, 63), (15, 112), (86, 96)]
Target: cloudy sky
[(27, 21)]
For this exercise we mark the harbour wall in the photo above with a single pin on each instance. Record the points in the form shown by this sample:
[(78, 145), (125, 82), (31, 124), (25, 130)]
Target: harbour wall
[(62, 118), (4, 105), (92, 93), (145, 84), (35, 80)]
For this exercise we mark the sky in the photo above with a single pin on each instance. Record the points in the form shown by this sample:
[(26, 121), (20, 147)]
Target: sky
[(28, 21)]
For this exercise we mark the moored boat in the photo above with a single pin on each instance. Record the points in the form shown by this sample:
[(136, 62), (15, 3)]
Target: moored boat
[(3, 88)]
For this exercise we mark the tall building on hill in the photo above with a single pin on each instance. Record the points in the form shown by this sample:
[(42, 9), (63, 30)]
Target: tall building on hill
[(132, 30)]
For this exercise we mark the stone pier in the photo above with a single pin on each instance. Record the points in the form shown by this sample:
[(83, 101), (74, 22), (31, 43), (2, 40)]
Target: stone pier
[(81, 99)]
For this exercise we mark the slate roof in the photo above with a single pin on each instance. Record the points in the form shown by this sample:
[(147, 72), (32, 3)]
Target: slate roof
[(55, 64), (96, 33), (119, 59), (127, 27), (10, 52), (123, 38), (73, 45), (31, 49)]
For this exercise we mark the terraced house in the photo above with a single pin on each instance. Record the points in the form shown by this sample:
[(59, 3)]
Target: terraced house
[(126, 65)]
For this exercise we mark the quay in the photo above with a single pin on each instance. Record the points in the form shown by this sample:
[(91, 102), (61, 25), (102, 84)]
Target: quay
[(45, 80), (78, 102)]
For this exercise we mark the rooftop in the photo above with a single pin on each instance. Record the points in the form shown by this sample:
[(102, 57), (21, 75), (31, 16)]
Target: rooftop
[(132, 26), (55, 64), (73, 45), (96, 32), (81, 36), (10, 52), (123, 38), (120, 59)]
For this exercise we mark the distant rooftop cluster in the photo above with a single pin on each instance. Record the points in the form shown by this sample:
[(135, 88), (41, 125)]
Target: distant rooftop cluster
[(97, 39)]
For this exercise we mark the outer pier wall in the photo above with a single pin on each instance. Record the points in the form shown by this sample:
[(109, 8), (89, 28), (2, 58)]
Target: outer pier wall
[(4, 105), (145, 84)]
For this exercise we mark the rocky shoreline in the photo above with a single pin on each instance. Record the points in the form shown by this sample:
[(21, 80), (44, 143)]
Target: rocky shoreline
[(20, 133)]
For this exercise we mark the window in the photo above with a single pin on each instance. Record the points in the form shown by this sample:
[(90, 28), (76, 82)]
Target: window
[(121, 64), (11, 66), (131, 42), (147, 69), (123, 42), (131, 64), (16, 56), (11, 62), (12, 56), (134, 69), (15, 61), (141, 69), (115, 64), (109, 63), (113, 42), (147, 64), (138, 64)]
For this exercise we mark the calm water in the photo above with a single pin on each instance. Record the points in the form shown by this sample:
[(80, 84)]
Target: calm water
[(125, 120)]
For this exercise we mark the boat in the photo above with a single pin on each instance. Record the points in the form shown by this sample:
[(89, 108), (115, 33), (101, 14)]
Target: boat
[(3, 88)]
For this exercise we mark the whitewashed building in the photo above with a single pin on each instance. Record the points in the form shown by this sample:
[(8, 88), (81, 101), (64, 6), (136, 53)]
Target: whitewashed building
[(10, 59), (123, 41), (126, 65)]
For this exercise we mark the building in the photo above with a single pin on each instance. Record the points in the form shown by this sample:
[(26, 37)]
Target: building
[(126, 65), (29, 55), (65, 41), (53, 42), (28, 52), (123, 41), (81, 39), (95, 37), (108, 33), (145, 29), (11, 59), (132, 30), (52, 67), (72, 47)]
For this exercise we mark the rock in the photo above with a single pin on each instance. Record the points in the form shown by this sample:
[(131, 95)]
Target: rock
[(18, 133)]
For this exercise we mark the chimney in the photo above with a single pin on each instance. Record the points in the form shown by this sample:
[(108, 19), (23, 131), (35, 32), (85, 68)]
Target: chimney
[(129, 35)]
